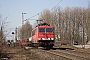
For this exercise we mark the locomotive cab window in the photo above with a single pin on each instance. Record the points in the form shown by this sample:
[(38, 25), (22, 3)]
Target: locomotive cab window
[(41, 29), (45, 30), (49, 30)]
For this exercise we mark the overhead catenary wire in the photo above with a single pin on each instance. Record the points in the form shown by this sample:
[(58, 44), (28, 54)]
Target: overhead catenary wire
[(56, 5), (32, 17), (50, 10)]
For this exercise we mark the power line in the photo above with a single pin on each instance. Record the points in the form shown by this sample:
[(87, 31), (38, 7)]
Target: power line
[(51, 10), (32, 16), (56, 5)]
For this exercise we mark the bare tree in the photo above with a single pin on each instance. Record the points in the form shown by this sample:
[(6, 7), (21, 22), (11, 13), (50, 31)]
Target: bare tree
[(25, 31)]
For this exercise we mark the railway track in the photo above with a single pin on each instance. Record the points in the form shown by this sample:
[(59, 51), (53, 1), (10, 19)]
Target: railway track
[(68, 55), (43, 55), (61, 54), (79, 53)]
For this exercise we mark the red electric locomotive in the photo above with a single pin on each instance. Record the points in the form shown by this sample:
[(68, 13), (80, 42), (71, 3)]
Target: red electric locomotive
[(43, 35)]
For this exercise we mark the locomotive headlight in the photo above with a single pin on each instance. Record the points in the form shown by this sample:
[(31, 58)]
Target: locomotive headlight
[(48, 38), (40, 39), (52, 38)]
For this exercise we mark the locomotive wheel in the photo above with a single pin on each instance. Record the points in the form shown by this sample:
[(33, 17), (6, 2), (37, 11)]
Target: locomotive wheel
[(36, 45), (48, 47)]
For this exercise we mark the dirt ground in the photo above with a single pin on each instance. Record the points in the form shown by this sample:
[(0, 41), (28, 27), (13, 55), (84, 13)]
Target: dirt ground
[(16, 53), (19, 53)]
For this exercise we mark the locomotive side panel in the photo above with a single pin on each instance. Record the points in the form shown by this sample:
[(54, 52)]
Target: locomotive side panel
[(34, 36)]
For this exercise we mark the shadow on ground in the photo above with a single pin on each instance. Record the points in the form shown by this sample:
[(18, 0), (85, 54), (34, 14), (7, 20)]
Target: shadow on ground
[(62, 48), (59, 49)]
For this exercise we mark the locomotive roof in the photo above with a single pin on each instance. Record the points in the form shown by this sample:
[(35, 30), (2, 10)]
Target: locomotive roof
[(43, 24)]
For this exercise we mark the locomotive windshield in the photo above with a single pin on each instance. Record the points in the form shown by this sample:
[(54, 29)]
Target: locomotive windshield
[(49, 29), (41, 29), (45, 30)]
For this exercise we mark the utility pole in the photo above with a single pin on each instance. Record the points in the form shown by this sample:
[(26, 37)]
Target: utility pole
[(1, 35), (16, 33), (22, 22), (23, 18), (83, 40)]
